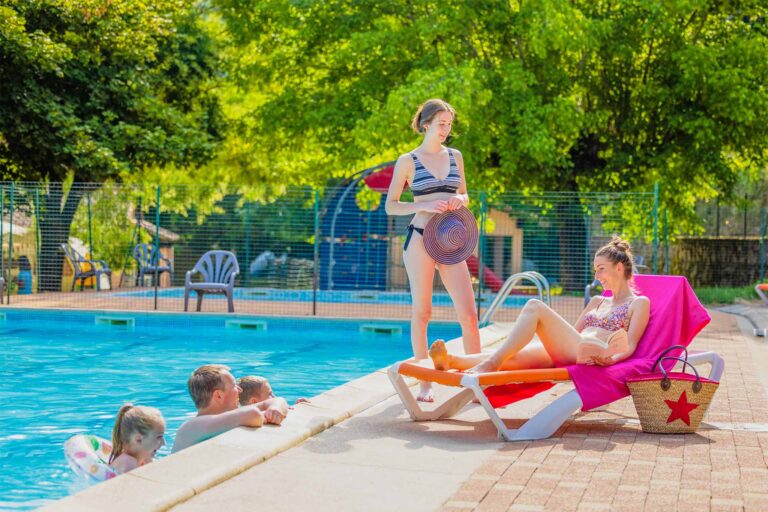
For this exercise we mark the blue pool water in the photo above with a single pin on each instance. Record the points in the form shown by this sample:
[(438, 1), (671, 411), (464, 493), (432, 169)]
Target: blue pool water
[(61, 374), (324, 296)]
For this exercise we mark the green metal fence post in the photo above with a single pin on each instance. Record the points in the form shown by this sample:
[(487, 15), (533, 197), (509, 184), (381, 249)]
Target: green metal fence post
[(10, 248), (157, 243), (762, 245), (316, 255), (90, 230), (656, 228), (2, 229), (248, 242), (481, 251), (367, 266), (38, 238), (587, 259), (666, 245)]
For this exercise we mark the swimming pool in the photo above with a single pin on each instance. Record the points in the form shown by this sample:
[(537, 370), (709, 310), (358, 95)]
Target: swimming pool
[(68, 372), (324, 296)]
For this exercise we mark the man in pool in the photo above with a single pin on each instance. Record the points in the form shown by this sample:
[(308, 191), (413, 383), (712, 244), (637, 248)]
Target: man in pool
[(215, 393)]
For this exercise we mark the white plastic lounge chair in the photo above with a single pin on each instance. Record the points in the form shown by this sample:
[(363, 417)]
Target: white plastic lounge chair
[(666, 319)]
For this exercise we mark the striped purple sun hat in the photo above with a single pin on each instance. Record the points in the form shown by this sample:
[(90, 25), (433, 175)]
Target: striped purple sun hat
[(451, 237)]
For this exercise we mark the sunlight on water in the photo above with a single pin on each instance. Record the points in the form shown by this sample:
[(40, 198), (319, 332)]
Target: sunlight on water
[(60, 375)]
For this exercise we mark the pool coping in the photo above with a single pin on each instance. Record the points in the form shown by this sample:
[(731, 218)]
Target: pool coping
[(180, 476), (235, 315)]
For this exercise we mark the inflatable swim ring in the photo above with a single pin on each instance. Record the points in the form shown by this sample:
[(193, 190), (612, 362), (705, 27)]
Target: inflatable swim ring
[(88, 456)]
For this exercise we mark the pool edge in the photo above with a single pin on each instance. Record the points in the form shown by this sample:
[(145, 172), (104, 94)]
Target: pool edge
[(178, 477)]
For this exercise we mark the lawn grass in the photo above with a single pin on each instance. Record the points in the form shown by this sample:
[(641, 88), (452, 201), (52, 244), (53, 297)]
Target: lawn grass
[(725, 295)]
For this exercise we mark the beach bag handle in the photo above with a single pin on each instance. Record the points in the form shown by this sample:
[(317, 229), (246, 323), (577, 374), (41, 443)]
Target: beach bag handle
[(667, 351), (666, 383)]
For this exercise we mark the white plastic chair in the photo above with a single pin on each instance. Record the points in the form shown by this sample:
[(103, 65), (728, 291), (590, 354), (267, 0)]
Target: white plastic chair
[(218, 270)]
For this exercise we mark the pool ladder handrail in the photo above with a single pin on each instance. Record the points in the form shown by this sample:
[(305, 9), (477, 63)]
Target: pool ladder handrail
[(542, 285), (588, 291)]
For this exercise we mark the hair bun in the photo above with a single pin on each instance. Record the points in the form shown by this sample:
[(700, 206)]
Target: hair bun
[(620, 243)]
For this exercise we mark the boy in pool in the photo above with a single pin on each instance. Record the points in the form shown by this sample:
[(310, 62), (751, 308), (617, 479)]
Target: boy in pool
[(215, 393), (255, 389)]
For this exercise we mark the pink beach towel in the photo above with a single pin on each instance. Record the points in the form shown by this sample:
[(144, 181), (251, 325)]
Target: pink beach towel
[(676, 318)]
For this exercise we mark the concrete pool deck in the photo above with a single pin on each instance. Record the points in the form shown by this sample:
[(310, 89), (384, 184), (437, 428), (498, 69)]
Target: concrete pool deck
[(378, 459)]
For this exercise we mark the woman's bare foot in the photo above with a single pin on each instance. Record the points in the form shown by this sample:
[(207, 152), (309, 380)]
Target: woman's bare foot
[(488, 365), (438, 352), (425, 392)]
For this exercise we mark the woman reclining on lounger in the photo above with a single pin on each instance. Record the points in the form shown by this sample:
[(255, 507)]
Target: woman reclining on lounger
[(606, 332)]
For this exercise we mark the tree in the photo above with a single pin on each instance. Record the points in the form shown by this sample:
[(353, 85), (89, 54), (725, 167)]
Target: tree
[(96, 89), (581, 95)]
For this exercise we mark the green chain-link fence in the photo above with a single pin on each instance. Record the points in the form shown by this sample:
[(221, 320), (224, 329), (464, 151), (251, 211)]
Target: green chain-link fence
[(329, 252)]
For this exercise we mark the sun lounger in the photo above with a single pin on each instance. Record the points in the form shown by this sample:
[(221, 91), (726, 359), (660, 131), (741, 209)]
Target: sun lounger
[(676, 318)]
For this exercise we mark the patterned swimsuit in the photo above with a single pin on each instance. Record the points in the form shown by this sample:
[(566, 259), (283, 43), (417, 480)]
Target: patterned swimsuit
[(615, 320)]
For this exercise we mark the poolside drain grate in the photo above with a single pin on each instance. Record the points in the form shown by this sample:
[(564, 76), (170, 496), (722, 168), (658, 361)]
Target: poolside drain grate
[(256, 293), (252, 325), (116, 321), (392, 330), (365, 296)]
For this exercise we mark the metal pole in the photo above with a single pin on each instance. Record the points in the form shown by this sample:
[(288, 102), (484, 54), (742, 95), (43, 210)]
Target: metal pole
[(316, 255), (90, 231), (248, 243), (656, 228), (587, 280), (10, 250), (366, 275), (38, 238), (481, 250), (666, 245), (157, 243), (762, 245), (2, 256)]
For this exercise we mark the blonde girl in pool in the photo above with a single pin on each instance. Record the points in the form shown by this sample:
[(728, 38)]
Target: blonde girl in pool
[(138, 433), (436, 177), (560, 341)]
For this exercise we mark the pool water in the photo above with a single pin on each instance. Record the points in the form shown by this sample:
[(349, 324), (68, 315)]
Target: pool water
[(62, 374)]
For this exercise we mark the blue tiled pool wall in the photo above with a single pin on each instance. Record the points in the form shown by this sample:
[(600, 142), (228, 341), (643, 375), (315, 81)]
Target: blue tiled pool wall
[(325, 296), (145, 320)]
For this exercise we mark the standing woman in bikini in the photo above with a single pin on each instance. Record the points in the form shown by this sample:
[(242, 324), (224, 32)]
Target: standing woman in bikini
[(436, 177), (603, 316)]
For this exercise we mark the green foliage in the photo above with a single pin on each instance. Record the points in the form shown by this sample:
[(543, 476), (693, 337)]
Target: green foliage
[(110, 225), (366, 199), (722, 295), (98, 88), (583, 95)]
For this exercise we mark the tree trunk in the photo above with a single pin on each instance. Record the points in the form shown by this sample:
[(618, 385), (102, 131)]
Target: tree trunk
[(56, 214)]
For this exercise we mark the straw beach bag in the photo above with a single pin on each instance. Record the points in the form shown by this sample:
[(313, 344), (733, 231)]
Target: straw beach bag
[(671, 402)]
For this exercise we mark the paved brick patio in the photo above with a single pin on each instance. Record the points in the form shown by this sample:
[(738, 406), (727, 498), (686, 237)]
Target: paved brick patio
[(603, 461)]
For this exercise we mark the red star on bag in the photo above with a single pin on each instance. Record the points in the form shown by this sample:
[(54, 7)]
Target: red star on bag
[(680, 409)]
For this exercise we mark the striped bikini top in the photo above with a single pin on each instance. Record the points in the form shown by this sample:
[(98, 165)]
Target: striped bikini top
[(425, 182), (615, 320)]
